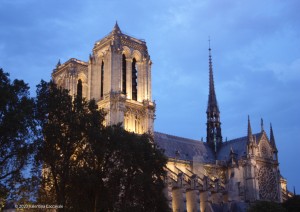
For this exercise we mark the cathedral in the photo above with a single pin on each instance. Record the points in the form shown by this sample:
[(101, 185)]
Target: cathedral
[(201, 176)]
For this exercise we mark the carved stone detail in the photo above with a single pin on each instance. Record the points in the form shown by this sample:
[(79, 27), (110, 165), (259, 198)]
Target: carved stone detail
[(267, 182)]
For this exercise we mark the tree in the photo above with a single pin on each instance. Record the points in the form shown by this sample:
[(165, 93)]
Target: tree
[(89, 167), (266, 206), (63, 138), (124, 173), (17, 128), (292, 204)]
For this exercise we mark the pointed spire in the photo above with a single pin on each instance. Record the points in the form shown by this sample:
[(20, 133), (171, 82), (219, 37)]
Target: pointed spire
[(262, 124), (294, 191), (249, 127), (214, 132), (250, 136), (212, 99), (58, 64), (272, 139), (116, 29)]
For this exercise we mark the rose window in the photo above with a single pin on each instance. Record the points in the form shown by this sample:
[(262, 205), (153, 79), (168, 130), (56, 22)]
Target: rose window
[(267, 182)]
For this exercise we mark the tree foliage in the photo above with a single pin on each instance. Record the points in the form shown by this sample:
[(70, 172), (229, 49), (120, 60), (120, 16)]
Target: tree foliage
[(64, 127), (17, 127), (89, 167), (292, 204), (124, 172), (266, 206)]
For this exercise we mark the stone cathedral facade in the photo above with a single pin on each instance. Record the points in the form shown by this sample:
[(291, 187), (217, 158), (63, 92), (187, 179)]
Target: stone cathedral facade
[(202, 176)]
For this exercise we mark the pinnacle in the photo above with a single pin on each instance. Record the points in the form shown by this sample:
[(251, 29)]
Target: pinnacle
[(250, 136), (116, 29), (272, 139)]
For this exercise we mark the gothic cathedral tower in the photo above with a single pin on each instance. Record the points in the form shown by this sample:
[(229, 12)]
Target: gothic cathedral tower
[(118, 77)]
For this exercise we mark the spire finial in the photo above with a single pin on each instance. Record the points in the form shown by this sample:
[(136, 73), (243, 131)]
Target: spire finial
[(262, 124), (209, 53)]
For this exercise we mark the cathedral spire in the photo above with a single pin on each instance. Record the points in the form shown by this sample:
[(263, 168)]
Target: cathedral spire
[(250, 136), (214, 135), (272, 139), (212, 99)]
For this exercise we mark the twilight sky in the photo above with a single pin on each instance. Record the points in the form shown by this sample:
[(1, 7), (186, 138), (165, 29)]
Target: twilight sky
[(255, 49)]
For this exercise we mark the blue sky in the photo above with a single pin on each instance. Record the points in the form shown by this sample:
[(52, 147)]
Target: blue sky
[(255, 50)]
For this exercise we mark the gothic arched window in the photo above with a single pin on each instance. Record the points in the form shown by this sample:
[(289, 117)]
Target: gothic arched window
[(123, 74), (134, 79), (79, 89), (102, 79)]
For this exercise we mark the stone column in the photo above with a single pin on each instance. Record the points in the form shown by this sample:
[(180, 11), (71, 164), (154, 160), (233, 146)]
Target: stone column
[(204, 195), (192, 200), (178, 200), (140, 85), (149, 80), (168, 190)]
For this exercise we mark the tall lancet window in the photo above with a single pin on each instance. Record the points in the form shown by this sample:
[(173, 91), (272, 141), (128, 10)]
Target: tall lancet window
[(134, 79), (102, 79), (79, 89), (123, 74)]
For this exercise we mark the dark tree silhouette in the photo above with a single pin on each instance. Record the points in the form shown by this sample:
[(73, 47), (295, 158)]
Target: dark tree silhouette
[(89, 167), (17, 128)]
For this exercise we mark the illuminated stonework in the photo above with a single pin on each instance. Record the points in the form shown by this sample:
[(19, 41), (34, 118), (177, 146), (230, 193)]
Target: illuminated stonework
[(118, 77), (268, 184), (264, 151), (200, 175)]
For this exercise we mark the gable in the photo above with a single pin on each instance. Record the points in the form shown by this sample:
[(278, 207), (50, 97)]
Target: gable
[(264, 147)]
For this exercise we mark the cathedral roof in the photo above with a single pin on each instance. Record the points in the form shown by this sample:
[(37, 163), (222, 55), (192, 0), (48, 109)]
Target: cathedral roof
[(238, 145), (184, 149), (192, 150)]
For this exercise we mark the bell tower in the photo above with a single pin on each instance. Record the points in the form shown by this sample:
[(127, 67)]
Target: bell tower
[(213, 125), (119, 79)]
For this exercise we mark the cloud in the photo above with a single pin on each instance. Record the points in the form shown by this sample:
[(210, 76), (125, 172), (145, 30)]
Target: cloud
[(285, 72), (282, 71)]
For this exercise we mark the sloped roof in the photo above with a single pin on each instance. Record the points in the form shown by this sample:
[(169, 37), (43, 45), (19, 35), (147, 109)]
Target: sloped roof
[(193, 150), (238, 145), (183, 148)]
